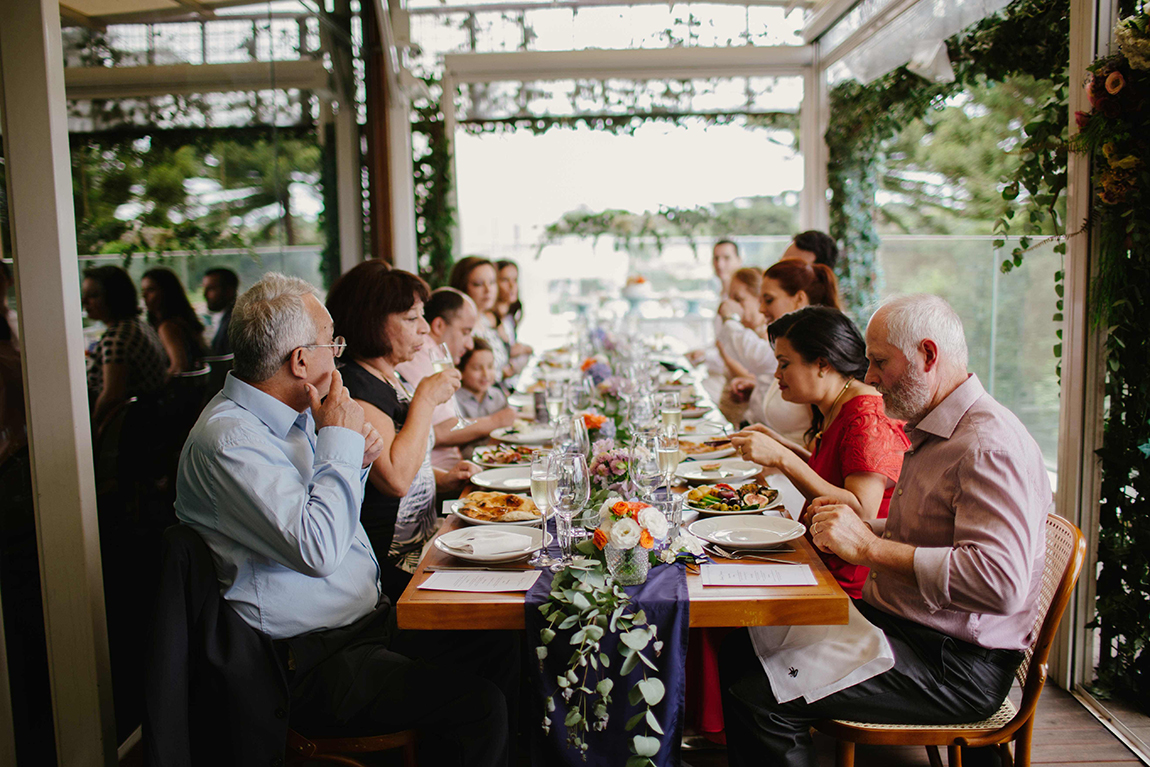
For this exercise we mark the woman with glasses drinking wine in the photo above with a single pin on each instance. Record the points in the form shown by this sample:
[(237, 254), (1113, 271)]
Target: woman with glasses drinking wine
[(379, 311)]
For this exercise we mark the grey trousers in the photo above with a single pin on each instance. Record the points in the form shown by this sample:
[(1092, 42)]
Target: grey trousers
[(936, 678)]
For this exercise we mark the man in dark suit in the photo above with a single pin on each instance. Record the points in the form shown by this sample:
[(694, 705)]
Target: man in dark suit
[(220, 288)]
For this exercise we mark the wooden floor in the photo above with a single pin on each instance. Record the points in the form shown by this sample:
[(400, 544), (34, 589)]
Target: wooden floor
[(1064, 733)]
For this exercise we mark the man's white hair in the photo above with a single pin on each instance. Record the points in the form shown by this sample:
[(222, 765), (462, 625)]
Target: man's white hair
[(268, 322), (914, 318)]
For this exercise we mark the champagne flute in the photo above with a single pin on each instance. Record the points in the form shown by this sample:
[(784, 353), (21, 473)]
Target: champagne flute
[(556, 394), (667, 448), (671, 411), (441, 359), (542, 488), (569, 495)]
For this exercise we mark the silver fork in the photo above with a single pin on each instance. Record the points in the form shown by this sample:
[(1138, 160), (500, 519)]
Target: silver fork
[(748, 555)]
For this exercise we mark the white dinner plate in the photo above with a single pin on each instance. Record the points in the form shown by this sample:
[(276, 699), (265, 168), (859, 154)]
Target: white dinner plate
[(699, 429), (747, 531), (770, 493), (507, 479), (494, 545), (457, 506), (530, 435), (479, 458), (730, 470), (521, 400), (709, 455), (696, 412)]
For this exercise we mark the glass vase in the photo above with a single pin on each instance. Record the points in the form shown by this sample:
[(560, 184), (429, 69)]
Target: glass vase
[(628, 567)]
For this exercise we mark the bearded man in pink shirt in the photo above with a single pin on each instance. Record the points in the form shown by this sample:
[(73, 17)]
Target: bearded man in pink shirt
[(956, 568)]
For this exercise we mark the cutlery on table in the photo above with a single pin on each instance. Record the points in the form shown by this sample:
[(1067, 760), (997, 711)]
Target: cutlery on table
[(736, 555), (464, 569)]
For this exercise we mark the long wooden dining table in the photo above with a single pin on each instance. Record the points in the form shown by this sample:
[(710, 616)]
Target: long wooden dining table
[(825, 603)]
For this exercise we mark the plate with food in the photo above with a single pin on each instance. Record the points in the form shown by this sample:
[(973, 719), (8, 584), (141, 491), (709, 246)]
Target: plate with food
[(731, 469), (533, 434), (706, 449), (485, 508), (491, 544), (508, 478), (751, 498), (748, 531), (496, 456), (699, 429), (695, 412)]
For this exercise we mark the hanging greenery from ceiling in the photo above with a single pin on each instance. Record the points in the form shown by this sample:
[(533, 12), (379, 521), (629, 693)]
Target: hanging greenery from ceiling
[(1030, 37), (434, 207)]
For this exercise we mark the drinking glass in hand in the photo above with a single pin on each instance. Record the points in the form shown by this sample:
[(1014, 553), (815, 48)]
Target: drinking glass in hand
[(542, 487), (569, 495), (441, 360)]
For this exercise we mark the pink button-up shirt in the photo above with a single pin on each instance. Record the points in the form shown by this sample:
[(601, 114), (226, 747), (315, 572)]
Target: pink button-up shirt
[(973, 498)]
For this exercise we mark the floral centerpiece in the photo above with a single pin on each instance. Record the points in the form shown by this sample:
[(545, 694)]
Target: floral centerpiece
[(597, 368), (612, 392), (628, 532), (610, 468)]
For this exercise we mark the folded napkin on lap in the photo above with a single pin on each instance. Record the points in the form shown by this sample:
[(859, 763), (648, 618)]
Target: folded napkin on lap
[(813, 662)]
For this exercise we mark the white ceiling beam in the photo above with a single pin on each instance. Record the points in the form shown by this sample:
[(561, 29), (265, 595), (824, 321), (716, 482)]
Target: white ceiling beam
[(72, 18), (824, 16), (828, 55), (641, 64), (141, 82), (527, 5)]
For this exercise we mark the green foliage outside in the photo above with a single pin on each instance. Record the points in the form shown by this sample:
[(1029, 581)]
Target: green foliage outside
[(434, 208)]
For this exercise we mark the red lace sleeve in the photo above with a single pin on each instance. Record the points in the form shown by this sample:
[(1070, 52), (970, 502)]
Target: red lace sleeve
[(872, 442)]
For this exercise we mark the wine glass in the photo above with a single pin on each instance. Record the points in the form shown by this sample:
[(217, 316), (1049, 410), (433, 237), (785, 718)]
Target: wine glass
[(671, 411), (542, 485), (569, 495), (645, 471), (441, 360), (556, 399), (667, 448), (579, 394), (570, 435), (641, 411)]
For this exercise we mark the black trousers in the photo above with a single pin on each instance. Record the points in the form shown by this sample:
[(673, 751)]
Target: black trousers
[(458, 689), (936, 678)]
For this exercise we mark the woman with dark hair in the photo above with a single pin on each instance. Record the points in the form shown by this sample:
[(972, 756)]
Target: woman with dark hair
[(477, 277), (813, 247), (379, 312), (786, 286), (509, 311), (176, 323), (129, 359), (854, 452)]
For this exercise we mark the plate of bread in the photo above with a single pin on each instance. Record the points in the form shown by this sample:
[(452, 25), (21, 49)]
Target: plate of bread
[(484, 508)]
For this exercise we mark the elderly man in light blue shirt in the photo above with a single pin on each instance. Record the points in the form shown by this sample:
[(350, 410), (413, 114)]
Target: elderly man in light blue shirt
[(272, 477)]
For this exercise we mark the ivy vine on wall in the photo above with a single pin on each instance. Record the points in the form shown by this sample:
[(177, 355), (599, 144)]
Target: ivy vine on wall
[(1030, 37), (431, 170)]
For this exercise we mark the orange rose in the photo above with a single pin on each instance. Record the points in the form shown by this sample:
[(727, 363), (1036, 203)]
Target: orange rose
[(600, 538), (586, 364), (593, 421), (645, 539), (620, 508)]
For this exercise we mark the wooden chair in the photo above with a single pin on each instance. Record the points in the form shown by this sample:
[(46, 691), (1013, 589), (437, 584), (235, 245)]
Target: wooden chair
[(301, 749), (1065, 552)]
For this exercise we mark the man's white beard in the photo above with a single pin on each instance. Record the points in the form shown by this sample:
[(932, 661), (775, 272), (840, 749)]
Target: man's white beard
[(908, 398)]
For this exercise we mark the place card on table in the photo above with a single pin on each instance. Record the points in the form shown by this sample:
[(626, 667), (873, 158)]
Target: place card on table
[(486, 581), (757, 575)]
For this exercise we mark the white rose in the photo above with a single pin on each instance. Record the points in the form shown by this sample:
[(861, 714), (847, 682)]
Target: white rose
[(624, 534), (606, 521), (654, 521), (688, 542)]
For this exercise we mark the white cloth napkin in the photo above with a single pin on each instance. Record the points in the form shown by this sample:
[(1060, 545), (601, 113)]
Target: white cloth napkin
[(813, 662), (491, 543)]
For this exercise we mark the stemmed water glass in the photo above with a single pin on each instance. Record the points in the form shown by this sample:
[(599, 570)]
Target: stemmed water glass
[(579, 394), (441, 360), (568, 496), (570, 435), (645, 471), (542, 486)]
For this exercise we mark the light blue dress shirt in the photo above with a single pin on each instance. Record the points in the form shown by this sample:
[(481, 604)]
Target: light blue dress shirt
[(279, 509)]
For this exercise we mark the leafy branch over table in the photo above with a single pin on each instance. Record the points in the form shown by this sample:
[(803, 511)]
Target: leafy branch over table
[(586, 603)]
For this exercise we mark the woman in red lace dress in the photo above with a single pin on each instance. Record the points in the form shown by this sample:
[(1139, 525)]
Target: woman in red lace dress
[(853, 452)]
